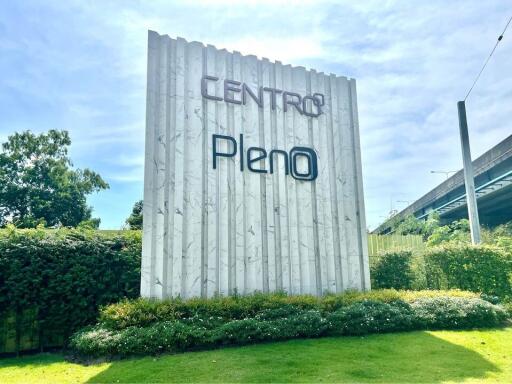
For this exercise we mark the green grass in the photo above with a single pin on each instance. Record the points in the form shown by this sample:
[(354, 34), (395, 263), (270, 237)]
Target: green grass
[(427, 357)]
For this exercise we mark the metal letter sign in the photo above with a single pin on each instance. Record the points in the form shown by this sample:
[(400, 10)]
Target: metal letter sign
[(252, 176), (289, 159)]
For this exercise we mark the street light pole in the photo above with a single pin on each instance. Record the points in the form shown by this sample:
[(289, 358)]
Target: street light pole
[(446, 173), (469, 178)]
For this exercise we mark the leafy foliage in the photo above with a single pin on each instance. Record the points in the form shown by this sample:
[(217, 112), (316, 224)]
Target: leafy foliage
[(143, 312), (65, 275), (37, 184), (455, 232), (410, 225), (372, 317), (500, 236), (503, 230), (483, 269), (453, 313), (134, 221), (284, 321), (393, 270)]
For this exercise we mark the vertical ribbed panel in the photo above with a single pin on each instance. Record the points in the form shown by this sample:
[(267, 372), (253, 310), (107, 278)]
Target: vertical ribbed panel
[(220, 231)]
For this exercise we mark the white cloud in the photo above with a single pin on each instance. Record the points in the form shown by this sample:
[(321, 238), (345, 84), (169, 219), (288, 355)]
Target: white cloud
[(284, 49), (412, 60)]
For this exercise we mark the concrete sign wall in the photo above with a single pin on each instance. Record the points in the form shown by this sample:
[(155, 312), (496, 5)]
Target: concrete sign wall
[(252, 176)]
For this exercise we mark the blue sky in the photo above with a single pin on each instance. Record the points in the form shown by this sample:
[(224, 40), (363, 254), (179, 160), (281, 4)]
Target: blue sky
[(81, 66)]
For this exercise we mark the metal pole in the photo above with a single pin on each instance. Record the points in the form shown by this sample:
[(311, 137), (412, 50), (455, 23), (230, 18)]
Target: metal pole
[(469, 178)]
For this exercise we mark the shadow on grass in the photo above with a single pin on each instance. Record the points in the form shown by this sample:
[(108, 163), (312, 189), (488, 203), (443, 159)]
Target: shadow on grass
[(39, 359), (398, 358)]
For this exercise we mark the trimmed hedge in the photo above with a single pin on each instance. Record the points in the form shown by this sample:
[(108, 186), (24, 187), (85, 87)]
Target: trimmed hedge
[(176, 325), (481, 268), (393, 270), (142, 312), (62, 277)]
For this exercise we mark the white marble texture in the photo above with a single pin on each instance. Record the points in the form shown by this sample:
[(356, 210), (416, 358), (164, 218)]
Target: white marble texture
[(220, 231)]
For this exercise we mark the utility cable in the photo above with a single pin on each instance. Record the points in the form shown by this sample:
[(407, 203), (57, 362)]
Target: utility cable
[(488, 58)]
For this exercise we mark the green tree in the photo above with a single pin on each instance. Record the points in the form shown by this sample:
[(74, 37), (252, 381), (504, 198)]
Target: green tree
[(457, 232), (135, 219), (38, 184), (410, 225)]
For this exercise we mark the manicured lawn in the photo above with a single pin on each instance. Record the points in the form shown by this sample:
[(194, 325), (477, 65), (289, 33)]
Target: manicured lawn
[(428, 357)]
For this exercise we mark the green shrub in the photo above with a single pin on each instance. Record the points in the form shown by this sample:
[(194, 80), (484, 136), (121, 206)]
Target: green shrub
[(508, 308), (475, 268), (301, 324), (371, 317), (166, 336), (457, 313), (393, 270), (285, 311), (307, 324), (245, 331), (456, 232), (64, 276), (97, 341), (282, 318), (142, 312)]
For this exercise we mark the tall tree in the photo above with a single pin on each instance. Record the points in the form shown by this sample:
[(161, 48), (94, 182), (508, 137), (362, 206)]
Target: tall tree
[(39, 185), (135, 219)]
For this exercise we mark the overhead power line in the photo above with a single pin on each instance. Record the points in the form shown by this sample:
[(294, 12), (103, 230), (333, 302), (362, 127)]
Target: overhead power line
[(500, 37)]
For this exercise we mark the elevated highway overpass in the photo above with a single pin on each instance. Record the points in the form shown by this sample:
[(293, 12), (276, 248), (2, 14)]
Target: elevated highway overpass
[(493, 184)]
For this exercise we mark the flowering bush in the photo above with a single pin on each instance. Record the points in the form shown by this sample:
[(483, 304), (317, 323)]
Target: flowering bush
[(142, 312), (452, 313), (372, 317), (280, 317)]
